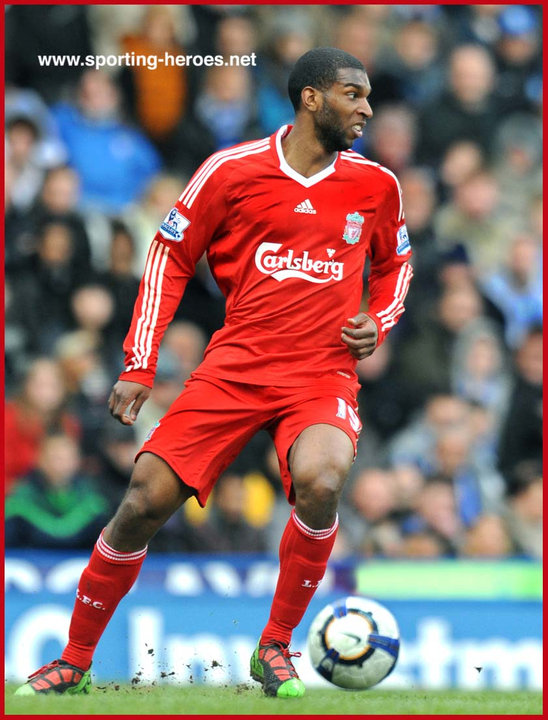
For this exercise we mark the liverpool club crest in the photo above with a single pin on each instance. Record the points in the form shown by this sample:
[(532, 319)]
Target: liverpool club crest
[(353, 228)]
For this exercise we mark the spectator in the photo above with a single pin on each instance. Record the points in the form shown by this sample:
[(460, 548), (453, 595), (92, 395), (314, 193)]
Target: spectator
[(420, 200), (419, 190), (478, 368), (524, 509), (484, 426), (462, 160), (43, 289), (111, 23), (425, 544), (291, 37), (115, 460), (207, 19), (39, 408), (22, 157), (487, 538), (225, 529), (474, 24), (434, 342), (375, 504), (436, 516), (519, 59), (55, 506), (88, 385), (225, 106), (467, 110), (158, 97), (357, 33), (143, 217), (28, 104), (453, 464), (515, 288), (413, 450), (410, 71), (455, 271), (55, 203), (114, 161), (518, 166), (382, 400), (536, 215), (473, 219), (236, 33), (392, 137), (121, 282), (223, 114), (92, 307), (16, 350), (521, 436), (67, 34)]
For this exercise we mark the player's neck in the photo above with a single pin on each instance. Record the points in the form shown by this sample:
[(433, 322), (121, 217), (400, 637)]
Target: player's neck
[(304, 153)]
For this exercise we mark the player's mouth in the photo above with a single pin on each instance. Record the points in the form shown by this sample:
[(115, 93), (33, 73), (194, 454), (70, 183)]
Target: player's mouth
[(357, 129)]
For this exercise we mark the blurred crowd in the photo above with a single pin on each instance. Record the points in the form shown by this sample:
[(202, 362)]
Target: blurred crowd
[(450, 458)]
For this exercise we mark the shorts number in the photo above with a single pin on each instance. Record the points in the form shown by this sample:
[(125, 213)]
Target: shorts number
[(344, 410)]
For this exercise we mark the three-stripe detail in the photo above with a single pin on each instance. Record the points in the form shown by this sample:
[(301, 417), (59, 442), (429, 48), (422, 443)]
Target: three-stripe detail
[(150, 304), (389, 315)]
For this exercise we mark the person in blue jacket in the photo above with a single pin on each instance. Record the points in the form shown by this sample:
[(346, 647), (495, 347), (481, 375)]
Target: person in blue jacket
[(115, 161)]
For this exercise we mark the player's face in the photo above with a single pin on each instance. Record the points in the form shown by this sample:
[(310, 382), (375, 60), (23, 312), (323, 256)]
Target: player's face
[(344, 112)]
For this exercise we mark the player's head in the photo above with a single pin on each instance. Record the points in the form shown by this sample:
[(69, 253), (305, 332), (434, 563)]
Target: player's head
[(332, 87)]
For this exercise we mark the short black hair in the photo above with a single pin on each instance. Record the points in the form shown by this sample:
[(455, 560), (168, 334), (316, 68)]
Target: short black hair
[(24, 121), (318, 68)]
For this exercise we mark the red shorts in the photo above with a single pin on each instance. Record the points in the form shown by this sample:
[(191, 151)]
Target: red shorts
[(212, 420)]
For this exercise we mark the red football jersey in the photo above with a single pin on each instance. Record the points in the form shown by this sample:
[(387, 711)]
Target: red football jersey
[(288, 254)]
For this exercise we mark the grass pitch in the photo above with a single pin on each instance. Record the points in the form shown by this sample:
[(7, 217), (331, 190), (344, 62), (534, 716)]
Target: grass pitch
[(246, 699)]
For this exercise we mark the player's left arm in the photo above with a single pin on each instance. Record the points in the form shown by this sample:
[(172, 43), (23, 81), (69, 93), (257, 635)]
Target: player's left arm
[(389, 278)]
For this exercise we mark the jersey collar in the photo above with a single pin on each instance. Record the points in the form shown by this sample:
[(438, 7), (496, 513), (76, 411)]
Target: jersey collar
[(293, 174)]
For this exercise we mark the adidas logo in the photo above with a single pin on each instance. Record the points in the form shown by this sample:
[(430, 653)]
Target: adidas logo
[(305, 207)]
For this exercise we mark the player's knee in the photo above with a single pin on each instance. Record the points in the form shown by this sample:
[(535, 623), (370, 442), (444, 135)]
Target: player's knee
[(139, 503), (317, 492), (320, 478), (154, 493)]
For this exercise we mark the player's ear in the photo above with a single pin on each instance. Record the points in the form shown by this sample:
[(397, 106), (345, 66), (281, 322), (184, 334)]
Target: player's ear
[(311, 99)]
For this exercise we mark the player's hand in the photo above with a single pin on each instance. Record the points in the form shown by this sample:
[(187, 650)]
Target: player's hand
[(361, 337), (124, 394)]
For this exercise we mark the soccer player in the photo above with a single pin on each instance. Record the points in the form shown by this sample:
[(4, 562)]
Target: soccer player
[(287, 223)]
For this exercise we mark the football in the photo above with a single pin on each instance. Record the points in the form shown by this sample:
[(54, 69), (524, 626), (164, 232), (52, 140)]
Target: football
[(354, 642)]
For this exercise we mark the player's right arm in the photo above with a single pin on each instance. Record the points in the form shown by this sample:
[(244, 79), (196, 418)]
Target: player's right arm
[(181, 240)]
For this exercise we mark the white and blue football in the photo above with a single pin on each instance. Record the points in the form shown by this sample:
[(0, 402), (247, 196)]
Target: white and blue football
[(354, 642)]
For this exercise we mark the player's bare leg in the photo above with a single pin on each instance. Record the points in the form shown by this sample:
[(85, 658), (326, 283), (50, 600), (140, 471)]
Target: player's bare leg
[(154, 493), (319, 461)]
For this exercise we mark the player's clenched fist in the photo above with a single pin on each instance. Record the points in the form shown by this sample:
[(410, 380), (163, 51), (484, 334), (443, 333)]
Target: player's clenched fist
[(361, 338), (124, 394)]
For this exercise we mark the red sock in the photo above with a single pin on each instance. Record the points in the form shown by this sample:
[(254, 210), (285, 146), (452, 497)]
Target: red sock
[(104, 582), (304, 553)]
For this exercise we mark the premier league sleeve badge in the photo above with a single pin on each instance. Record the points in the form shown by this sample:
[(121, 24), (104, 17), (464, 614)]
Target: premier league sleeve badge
[(174, 225)]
